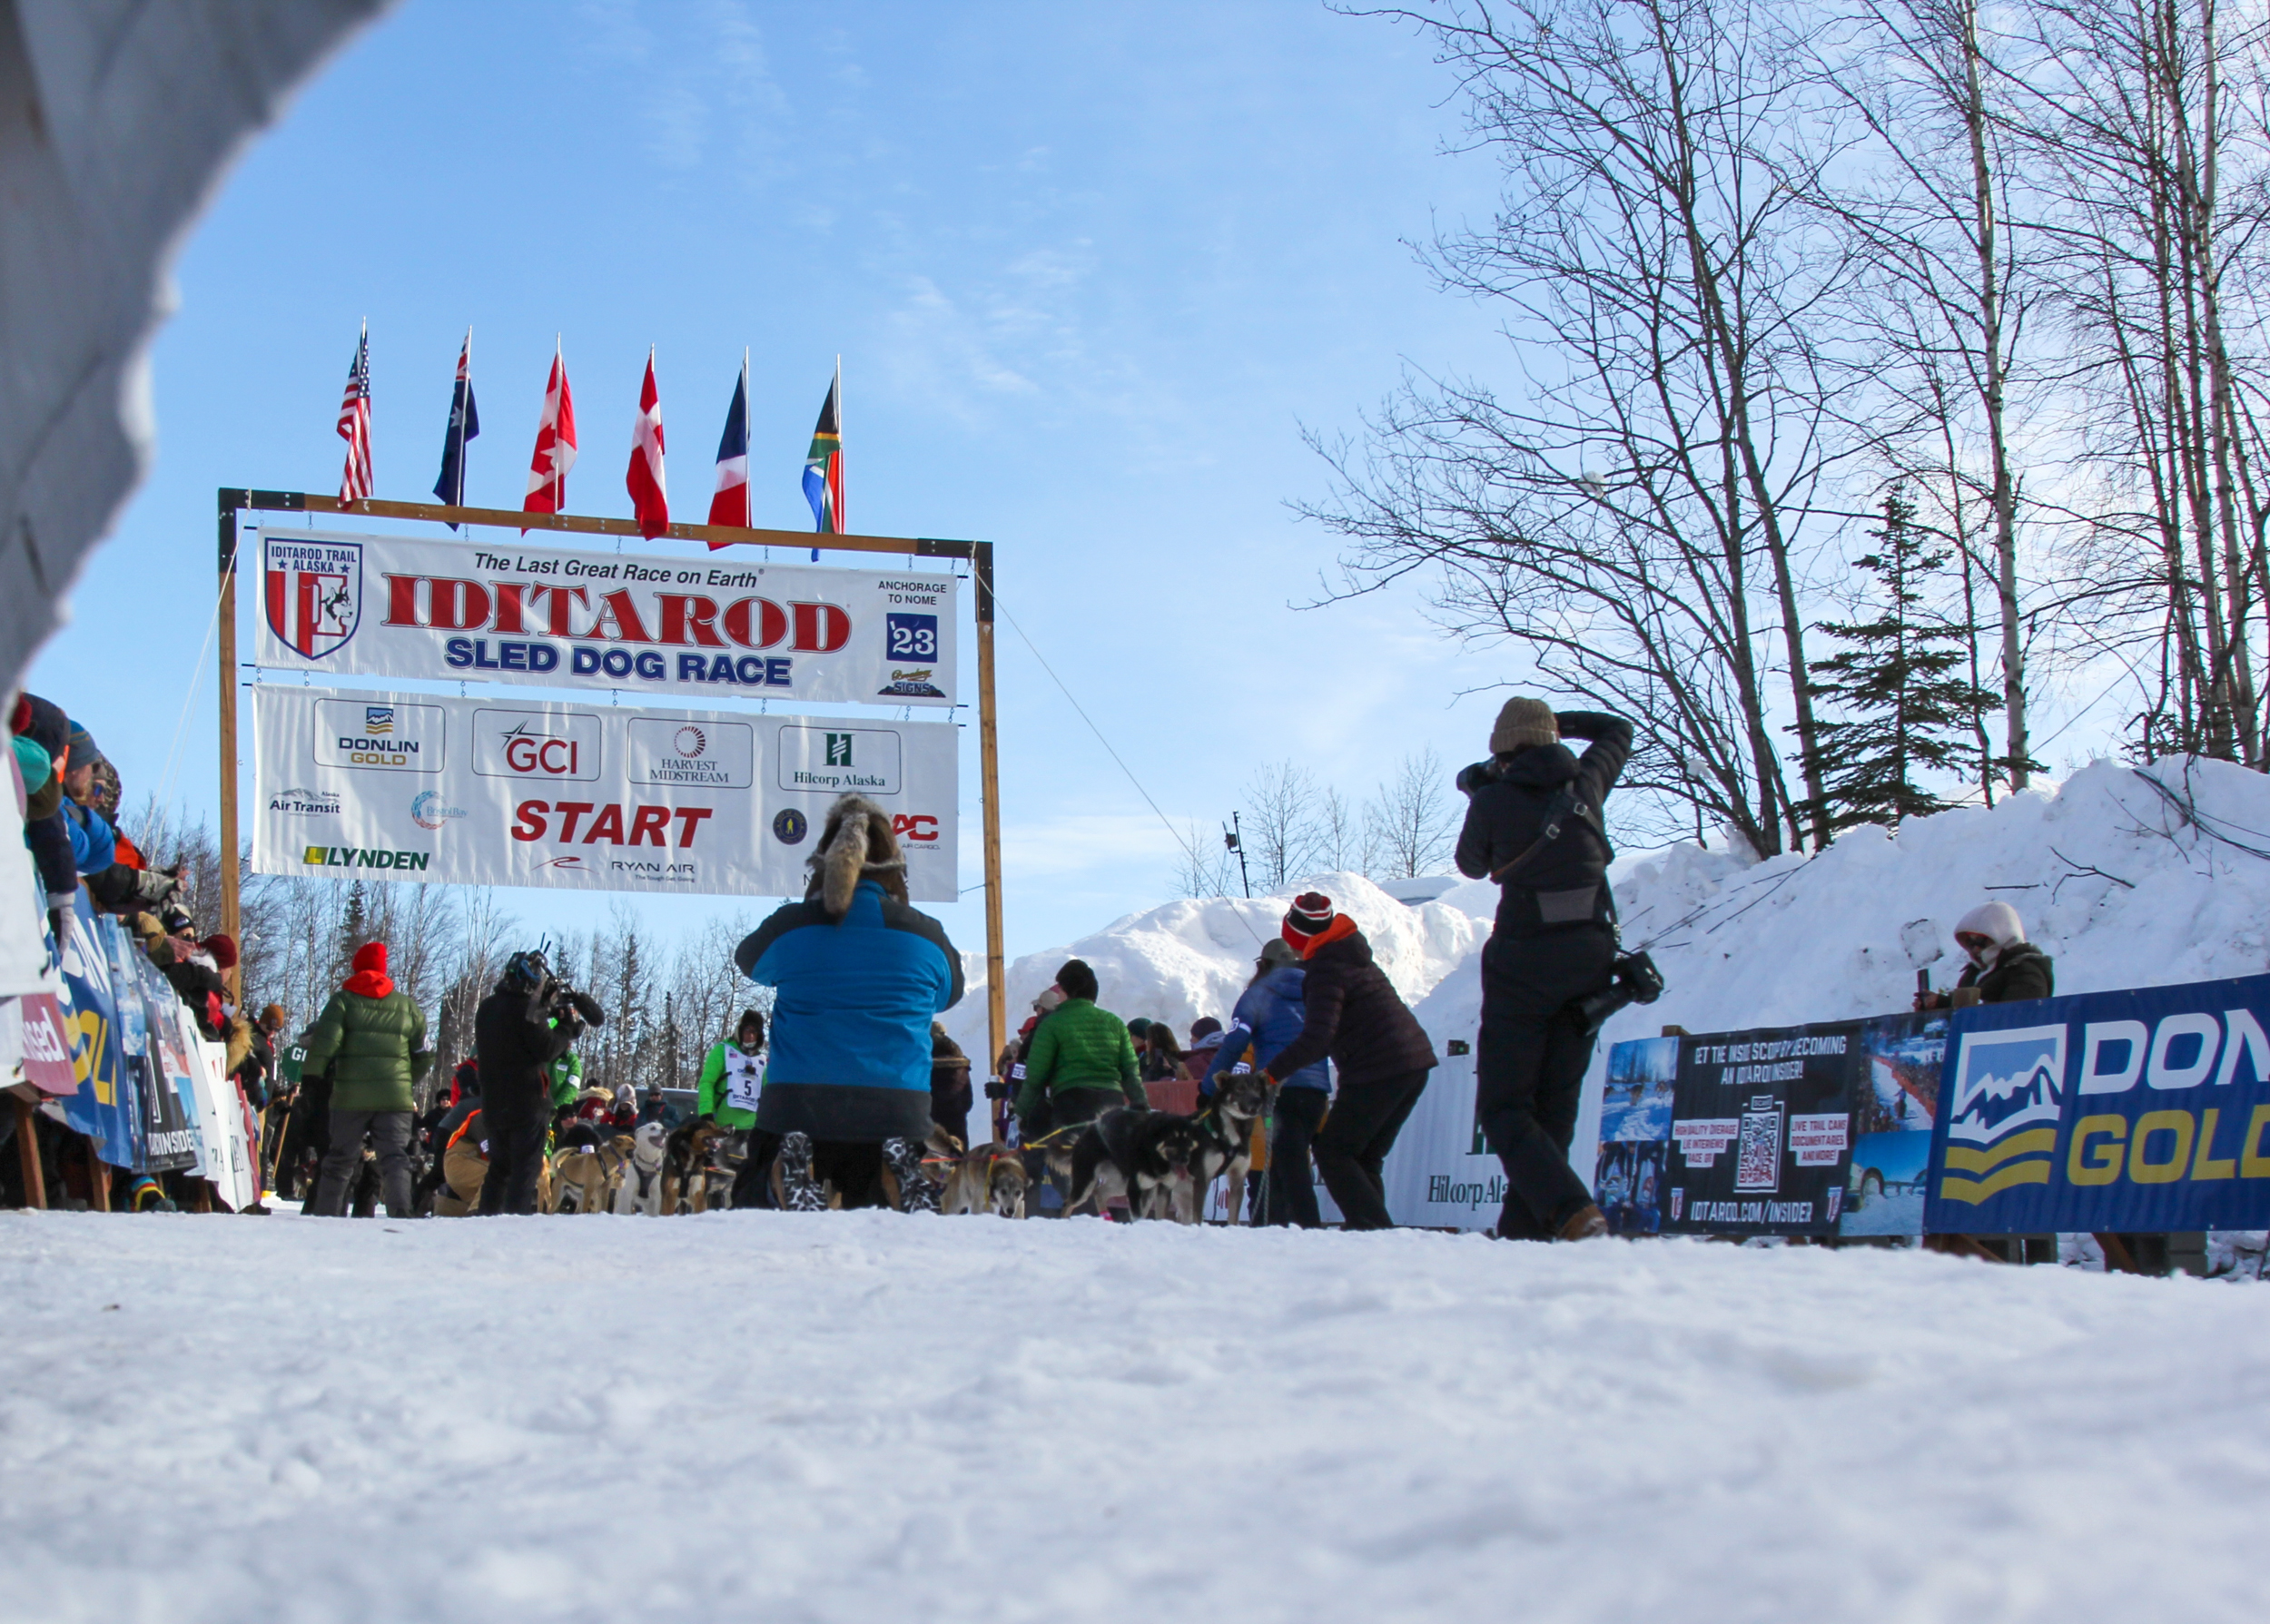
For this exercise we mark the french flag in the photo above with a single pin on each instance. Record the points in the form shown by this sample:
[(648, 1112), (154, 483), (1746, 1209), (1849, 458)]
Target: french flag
[(730, 505)]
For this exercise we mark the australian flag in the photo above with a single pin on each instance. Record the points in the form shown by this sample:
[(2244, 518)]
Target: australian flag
[(465, 424)]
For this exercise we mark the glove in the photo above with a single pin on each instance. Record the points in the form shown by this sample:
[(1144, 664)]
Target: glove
[(1472, 778)]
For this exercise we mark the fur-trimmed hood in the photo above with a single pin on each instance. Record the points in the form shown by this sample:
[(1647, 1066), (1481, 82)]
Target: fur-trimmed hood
[(856, 845)]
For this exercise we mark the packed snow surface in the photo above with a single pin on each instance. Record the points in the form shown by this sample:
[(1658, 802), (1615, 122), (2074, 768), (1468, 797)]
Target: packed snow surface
[(862, 1416)]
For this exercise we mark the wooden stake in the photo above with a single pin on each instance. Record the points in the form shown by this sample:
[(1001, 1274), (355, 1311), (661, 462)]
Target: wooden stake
[(989, 776), (232, 924), (28, 1151)]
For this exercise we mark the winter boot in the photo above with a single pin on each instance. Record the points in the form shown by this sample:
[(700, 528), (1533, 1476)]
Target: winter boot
[(799, 1191), (904, 1156), (1587, 1224)]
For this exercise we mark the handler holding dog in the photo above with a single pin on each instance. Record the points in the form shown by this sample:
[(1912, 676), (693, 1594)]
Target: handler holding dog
[(1353, 1013), (1534, 825)]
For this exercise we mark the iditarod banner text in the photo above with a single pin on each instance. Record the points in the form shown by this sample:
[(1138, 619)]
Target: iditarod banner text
[(501, 792), (391, 606)]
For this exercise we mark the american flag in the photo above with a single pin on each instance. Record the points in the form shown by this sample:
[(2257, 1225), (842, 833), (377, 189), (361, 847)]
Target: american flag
[(354, 424)]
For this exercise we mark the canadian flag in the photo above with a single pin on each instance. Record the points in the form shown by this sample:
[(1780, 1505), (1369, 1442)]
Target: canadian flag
[(649, 500), (555, 445)]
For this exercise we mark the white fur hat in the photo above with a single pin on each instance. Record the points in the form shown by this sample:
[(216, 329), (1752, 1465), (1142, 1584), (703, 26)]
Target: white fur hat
[(1997, 921)]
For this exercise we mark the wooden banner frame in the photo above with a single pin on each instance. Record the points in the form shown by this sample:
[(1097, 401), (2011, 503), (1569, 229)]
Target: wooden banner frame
[(233, 501)]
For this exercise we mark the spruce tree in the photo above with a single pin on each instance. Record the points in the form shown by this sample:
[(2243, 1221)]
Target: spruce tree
[(1904, 710)]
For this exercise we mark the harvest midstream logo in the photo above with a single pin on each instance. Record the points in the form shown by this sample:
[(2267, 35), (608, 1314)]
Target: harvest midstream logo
[(358, 857)]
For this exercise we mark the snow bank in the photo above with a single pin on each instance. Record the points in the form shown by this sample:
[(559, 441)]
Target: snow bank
[(858, 1416), (1192, 957)]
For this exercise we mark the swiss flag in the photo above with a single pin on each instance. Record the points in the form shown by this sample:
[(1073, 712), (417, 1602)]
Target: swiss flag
[(649, 499)]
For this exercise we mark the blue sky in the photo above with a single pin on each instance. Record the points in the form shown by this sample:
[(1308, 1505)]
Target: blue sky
[(1090, 269)]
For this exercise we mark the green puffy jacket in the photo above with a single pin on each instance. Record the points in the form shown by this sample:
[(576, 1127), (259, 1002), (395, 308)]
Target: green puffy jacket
[(1079, 1046), (712, 1086), (566, 1074), (374, 1049)]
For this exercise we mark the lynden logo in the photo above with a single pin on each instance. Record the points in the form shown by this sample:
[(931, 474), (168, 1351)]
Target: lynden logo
[(305, 803), (357, 857), (428, 812), (315, 594)]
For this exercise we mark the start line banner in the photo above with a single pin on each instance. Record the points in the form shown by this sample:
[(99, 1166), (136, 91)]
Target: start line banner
[(400, 606), (499, 791)]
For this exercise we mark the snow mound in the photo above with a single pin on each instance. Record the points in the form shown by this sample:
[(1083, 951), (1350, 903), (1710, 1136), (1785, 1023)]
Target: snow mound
[(1190, 958)]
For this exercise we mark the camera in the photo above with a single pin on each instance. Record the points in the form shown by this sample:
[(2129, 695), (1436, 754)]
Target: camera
[(561, 999), (996, 1089), (1633, 979)]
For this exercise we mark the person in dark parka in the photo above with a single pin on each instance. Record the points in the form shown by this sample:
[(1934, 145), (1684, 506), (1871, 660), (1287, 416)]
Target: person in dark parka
[(1354, 1015), (2004, 966), (1554, 942), (520, 1028), (951, 1095)]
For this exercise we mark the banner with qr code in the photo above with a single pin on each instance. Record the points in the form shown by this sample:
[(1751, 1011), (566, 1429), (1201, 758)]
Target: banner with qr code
[(1790, 1130)]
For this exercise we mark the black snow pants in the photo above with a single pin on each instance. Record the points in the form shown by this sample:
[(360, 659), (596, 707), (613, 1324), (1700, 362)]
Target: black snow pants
[(1352, 1146), (513, 1117), (1529, 1070), (1292, 1185)]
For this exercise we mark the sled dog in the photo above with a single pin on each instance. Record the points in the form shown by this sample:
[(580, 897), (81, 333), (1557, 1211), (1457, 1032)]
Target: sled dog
[(1227, 1121), (985, 1178), (685, 1158), (640, 1188), (1149, 1157)]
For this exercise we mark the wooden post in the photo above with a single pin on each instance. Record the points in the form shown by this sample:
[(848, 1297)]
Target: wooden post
[(989, 776), (98, 1179), (27, 1150), (232, 922)]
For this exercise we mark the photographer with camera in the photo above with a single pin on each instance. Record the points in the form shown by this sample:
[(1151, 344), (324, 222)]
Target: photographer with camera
[(531, 1019), (1550, 971)]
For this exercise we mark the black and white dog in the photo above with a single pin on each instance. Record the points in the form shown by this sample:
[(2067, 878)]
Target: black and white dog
[(1149, 1158), (1226, 1123)]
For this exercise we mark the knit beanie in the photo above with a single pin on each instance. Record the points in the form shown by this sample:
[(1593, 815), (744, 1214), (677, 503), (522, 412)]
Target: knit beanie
[(1202, 1028), (223, 947), (1523, 723), (371, 956), (1310, 915)]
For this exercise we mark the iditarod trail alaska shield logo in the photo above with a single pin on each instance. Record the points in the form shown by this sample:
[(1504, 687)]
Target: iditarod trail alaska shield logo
[(315, 594)]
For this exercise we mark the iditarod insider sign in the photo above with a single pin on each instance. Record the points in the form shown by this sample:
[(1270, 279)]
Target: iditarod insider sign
[(500, 792), (388, 606)]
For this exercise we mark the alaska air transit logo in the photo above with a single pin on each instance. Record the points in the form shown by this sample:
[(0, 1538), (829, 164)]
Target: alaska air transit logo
[(313, 593)]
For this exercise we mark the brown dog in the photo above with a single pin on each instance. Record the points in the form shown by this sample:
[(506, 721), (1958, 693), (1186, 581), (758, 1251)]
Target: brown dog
[(988, 1178), (687, 1164)]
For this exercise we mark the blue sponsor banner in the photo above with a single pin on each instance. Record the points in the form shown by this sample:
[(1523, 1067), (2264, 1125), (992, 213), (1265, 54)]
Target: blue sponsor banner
[(107, 1108), (2140, 1111)]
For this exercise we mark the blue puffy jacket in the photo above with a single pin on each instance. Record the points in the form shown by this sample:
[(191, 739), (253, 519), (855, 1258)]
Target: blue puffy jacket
[(1270, 1014), (93, 846), (851, 1026)]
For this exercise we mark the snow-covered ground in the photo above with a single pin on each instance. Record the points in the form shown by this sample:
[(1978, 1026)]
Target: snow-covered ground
[(863, 1417)]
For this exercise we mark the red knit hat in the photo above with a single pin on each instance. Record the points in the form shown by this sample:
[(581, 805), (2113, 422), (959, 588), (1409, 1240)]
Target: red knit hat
[(370, 955), (223, 947), (1310, 916)]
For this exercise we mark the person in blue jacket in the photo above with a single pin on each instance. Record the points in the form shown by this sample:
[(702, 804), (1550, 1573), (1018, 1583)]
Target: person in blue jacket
[(1269, 1015), (860, 975)]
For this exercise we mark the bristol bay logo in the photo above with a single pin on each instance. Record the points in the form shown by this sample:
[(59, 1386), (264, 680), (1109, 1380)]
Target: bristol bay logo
[(2009, 1089), (312, 593), (428, 812)]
